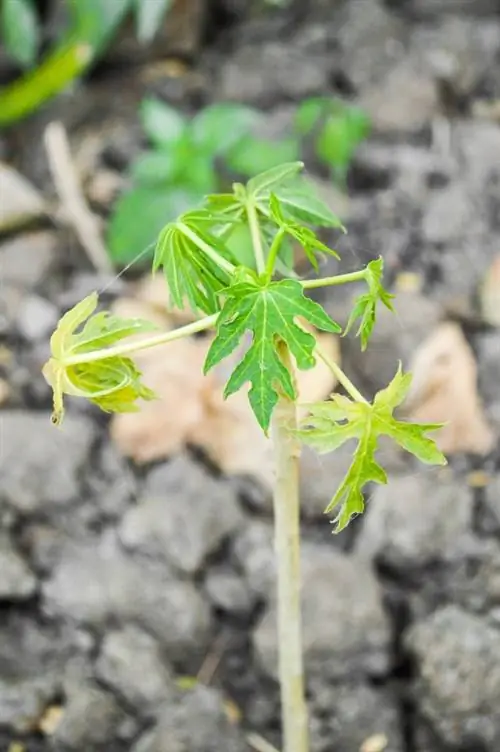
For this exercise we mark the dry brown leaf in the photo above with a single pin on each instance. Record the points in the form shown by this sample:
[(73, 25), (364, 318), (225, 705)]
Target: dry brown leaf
[(444, 390), (489, 294), (375, 743), (50, 720), (191, 408), (4, 391)]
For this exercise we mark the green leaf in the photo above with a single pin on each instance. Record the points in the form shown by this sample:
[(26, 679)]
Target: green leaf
[(20, 30), (332, 423), (113, 383), (192, 276), (310, 112), (301, 203), (253, 155), (138, 217), (149, 17), (164, 126), (268, 311), (153, 168), (219, 127), (340, 136), (261, 185), (365, 306), (305, 236), (96, 21)]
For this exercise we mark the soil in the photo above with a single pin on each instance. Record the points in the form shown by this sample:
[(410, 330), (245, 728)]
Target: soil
[(109, 595)]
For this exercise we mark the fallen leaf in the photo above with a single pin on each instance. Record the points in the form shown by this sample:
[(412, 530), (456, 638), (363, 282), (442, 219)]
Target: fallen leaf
[(233, 712), (444, 390), (21, 201), (489, 294), (375, 743), (50, 720), (4, 391), (191, 409), (16, 747)]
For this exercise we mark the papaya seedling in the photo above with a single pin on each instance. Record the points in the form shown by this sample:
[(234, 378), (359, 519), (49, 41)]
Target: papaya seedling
[(92, 357)]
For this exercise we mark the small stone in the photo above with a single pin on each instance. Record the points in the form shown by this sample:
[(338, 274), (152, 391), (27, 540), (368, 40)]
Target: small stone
[(183, 515), (345, 628), (253, 550), (414, 521), (91, 720), (21, 202), (96, 581), (132, 664), (27, 258), (17, 581), (36, 318), (228, 592), (39, 466), (197, 722), (458, 674)]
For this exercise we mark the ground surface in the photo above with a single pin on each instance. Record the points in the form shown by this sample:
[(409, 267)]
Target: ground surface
[(115, 581)]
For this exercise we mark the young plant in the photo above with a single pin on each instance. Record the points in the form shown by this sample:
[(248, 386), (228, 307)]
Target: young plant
[(175, 173), (92, 26), (91, 358)]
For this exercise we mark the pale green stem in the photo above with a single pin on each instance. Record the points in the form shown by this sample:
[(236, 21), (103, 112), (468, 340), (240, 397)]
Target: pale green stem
[(287, 549), (221, 262), (273, 251), (341, 377), (128, 348), (339, 279), (253, 223)]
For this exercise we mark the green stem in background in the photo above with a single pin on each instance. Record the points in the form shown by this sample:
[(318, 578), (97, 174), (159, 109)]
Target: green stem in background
[(340, 279), (128, 348), (287, 550), (253, 223), (341, 377), (25, 95), (221, 262), (273, 251)]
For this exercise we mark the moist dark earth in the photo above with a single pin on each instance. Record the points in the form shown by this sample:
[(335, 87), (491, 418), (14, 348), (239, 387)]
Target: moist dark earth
[(116, 580)]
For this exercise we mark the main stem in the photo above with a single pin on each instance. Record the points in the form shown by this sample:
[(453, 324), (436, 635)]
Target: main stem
[(287, 549)]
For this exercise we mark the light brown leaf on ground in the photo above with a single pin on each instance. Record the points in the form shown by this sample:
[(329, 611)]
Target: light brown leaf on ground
[(375, 743), (444, 390), (191, 409), (50, 720), (489, 294), (4, 391)]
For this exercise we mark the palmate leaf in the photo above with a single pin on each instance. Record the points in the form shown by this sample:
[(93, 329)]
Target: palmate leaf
[(365, 306), (268, 310), (303, 235), (330, 424), (112, 383), (191, 274)]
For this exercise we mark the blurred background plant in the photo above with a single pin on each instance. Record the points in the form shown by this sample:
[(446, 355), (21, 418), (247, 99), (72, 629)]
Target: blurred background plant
[(90, 28)]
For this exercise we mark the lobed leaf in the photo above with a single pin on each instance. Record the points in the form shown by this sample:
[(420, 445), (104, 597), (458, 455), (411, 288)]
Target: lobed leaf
[(113, 383), (268, 310), (365, 306), (332, 423)]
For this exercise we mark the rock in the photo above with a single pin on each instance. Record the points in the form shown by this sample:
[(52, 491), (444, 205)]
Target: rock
[(183, 515), (491, 523), (346, 716), (95, 581), (345, 629), (37, 318), (21, 202), (32, 658), (446, 218), (17, 582), (131, 663), (253, 550), (273, 70), (91, 720), (197, 722), (40, 466), (228, 592), (26, 259), (112, 484), (415, 521), (458, 674), (429, 9)]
